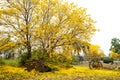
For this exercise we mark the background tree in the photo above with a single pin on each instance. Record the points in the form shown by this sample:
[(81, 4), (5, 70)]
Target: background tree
[(115, 45)]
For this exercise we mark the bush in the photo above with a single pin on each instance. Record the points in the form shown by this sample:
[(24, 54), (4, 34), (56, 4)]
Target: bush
[(107, 60), (38, 54), (35, 55), (59, 59), (75, 59), (23, 60)]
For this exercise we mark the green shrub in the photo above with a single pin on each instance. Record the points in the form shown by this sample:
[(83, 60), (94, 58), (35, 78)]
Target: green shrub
[(23, 60), (107, 60), (35, 55), (59, 59), (75, 59), (38, 54)]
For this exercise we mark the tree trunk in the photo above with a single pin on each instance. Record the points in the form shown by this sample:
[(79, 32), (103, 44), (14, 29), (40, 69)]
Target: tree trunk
[(28, 50)]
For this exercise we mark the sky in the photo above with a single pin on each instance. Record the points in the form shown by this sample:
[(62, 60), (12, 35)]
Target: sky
[(106, 13)]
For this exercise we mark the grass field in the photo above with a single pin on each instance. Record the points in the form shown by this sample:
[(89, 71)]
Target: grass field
[(79, 72)]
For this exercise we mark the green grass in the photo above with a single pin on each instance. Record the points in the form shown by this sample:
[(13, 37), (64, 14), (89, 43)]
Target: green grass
[(10, 62)]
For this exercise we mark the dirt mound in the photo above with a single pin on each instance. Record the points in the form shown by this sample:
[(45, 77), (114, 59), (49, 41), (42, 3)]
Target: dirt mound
[(38, 65)]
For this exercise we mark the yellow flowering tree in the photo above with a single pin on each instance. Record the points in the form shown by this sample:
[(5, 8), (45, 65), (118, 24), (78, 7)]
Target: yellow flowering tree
[(46, 24), (114, 55), (7, 46), (95, 51), (17, 17)]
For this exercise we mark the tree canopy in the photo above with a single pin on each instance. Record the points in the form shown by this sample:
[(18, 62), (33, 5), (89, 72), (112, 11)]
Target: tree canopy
[(47, 25)]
